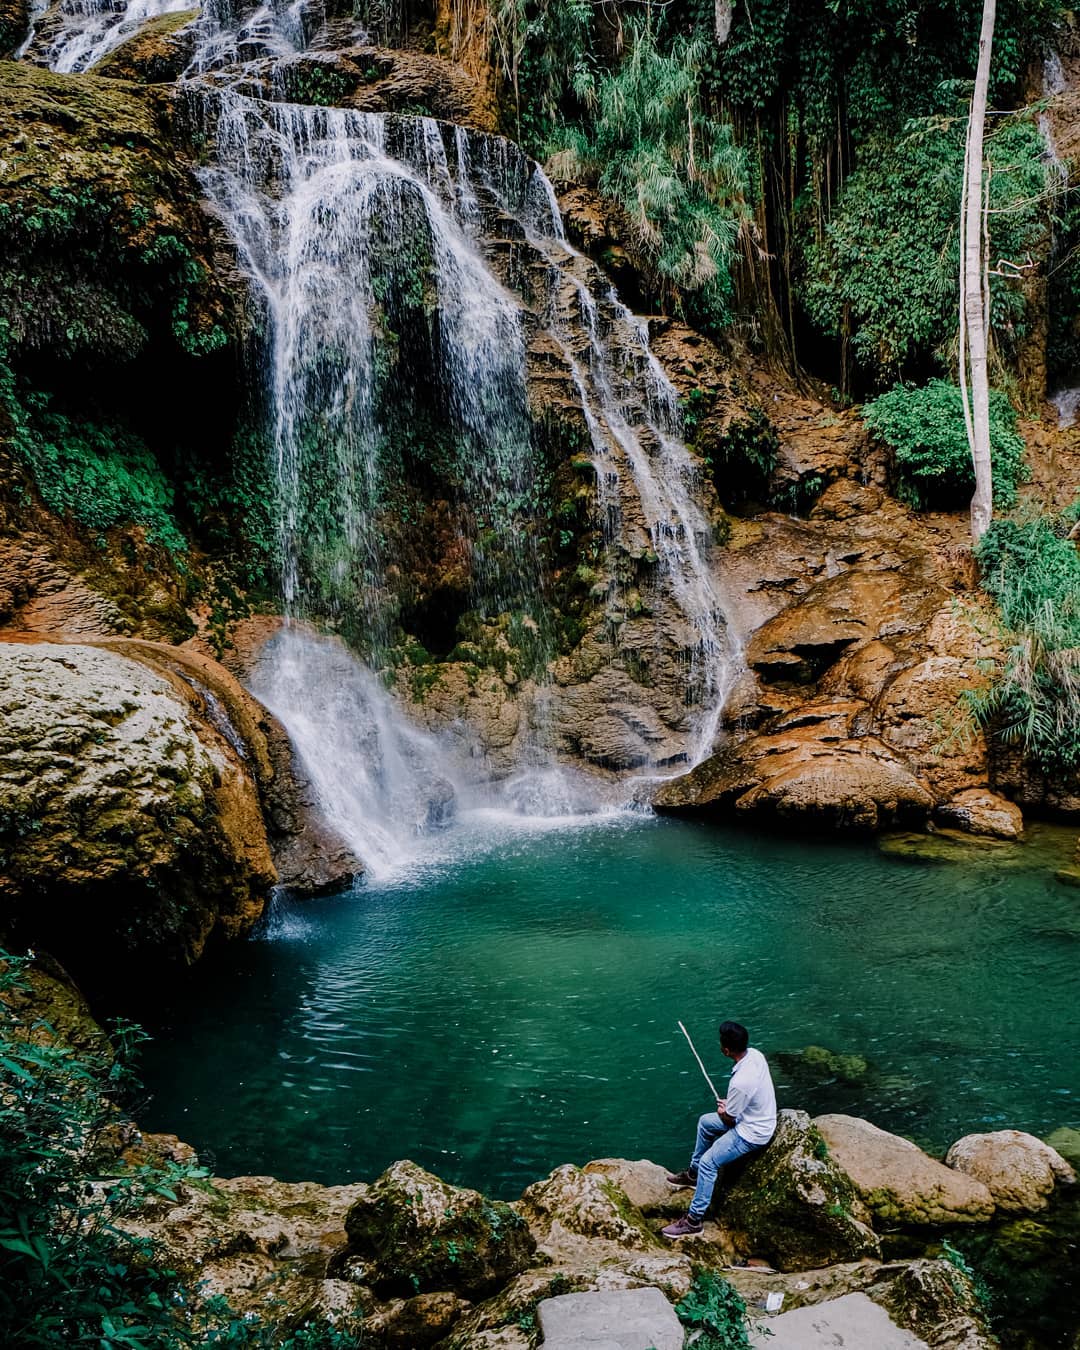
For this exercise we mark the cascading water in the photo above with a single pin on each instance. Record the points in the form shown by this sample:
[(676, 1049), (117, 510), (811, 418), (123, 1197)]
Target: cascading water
[(86, 31), (370, 242)]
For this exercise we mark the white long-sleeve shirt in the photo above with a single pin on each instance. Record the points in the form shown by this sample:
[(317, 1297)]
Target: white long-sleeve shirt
[(751, 1098)]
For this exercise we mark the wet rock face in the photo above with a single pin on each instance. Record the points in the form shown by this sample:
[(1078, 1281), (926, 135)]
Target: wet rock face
[(1019, 1170), (411, 1233), (794, 1205), (127, 825), (897, 1181)]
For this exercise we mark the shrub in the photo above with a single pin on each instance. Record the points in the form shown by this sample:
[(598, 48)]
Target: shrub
[(925, 430), (675, 171), (99, 474), (1033, 700), (885, 269)]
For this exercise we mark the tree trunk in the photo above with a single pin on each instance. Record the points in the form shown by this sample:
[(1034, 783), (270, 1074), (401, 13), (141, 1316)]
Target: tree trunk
[(976, 317)]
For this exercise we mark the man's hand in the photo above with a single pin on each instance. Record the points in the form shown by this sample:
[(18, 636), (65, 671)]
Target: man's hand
[(721, 1105)]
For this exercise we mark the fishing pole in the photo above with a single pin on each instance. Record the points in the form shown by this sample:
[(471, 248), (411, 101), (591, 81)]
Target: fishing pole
[(712, 1085)]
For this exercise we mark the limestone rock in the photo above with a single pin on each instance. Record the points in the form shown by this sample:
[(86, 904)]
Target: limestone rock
[(857, 605), (812, 772), (853, 1320), (980, 811), (130, 824), (628, 1319), (45, 1007), (415, 1233), (586, 1203), (157, 54), (14, 21), (109, 152), (898, 1182), (794, 1205), (260, 1243), (410, 1323), (643, 1183), (938, 1302), (1019, 1170)]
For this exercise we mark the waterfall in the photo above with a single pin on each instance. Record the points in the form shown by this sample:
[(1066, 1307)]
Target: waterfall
[(89, 30), (385, 783), (400, 262), (341, 219)]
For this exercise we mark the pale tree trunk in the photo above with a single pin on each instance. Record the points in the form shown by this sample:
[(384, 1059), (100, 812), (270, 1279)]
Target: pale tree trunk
[(975, 316)]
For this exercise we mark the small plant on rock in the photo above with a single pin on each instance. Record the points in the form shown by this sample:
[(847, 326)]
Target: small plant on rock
[(714, 1309)]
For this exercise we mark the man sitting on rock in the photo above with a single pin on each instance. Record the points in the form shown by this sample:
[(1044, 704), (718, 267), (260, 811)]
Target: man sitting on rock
[(743, 1122)]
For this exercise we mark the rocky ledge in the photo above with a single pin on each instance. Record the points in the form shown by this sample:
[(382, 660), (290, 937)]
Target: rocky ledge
[(412, 1261)]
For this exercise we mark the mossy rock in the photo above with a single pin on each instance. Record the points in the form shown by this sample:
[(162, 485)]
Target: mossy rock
[(107, 247), (156, 54), (794, 1205), (825, 1063), (414, 1232)]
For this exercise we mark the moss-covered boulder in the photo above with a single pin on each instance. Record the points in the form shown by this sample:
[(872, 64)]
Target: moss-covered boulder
[(157, 54), (105, 245), (897, 1181), (130, 827), (939, 1302), (794, 1205), (412, 1232)]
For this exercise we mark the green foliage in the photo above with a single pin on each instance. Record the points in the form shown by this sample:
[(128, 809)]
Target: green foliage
[(316, 82), (743, 458), (676, 173), (85, 272), (715, 1309), (925, 430), (875, 62), (1032, 571), (99, 474), (545, 50), (885, 271), (69, 1273)]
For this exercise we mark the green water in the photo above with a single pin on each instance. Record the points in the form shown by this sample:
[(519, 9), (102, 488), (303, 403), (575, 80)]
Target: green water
[(513, 1004)]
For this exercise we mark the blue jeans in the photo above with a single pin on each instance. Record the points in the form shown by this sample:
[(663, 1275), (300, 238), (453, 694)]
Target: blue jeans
[(716, 1145)]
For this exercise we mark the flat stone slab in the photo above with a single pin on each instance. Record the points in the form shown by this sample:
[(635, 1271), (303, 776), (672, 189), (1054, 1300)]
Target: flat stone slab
[(615, 1319), (853, 1321)]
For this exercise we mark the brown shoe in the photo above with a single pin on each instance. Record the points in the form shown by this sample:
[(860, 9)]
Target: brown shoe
[(681, 1179), (686, 1227)]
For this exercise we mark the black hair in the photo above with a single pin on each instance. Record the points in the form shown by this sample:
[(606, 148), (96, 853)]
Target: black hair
[(734, 1037)]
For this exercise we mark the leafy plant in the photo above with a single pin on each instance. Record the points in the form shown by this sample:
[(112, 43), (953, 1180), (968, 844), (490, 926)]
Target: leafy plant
[(99, 474), (1033, 698), (925, 430), (676, 172), (715, 1309)]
